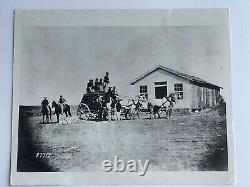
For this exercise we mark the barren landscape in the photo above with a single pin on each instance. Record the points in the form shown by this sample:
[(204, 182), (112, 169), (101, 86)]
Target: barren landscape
[(195, 142)]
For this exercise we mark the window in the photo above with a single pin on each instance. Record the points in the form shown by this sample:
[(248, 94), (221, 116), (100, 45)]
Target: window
[(160, 89), (144, 91), (179, 89), (160, 83)]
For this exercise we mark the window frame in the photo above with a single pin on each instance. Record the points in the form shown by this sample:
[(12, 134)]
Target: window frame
[(179, 89), (144, 90)]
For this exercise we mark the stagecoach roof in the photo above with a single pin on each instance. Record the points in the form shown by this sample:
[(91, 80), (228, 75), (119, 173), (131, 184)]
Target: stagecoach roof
[(185, 76)]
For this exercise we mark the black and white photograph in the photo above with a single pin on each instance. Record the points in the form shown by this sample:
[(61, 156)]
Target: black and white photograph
[(120, 98)]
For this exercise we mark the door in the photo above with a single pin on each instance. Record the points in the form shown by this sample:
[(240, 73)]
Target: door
[(160, 89)]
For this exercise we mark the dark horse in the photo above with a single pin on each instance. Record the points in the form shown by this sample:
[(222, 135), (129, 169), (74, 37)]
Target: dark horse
[(46, 111), (58, 110)]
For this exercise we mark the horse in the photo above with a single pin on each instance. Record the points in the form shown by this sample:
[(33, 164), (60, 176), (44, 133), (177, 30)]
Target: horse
[(133, 109), (171, 99), (66, 110), (58, 110), (46, 111)]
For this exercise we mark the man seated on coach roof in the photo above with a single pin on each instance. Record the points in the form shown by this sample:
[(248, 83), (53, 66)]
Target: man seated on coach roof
[(96, 87), (90, 86), (100, 85)]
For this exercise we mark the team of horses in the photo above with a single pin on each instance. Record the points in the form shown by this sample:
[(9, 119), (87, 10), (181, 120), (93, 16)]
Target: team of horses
[(152, 108), (134, 107)]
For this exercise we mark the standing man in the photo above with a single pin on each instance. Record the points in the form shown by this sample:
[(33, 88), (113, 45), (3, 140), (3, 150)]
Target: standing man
[(118, 108), (106, 81), (61, 102), (150, 108), (171, 101), (99, 109)]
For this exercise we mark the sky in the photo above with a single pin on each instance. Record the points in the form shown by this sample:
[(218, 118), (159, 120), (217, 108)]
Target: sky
[(61, 60)]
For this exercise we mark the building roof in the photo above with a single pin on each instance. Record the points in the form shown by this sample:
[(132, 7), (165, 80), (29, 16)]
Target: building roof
[(185, 76)]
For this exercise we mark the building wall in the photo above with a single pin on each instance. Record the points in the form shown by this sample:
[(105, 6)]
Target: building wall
[(194, 96), (203, 97), (161, 75)]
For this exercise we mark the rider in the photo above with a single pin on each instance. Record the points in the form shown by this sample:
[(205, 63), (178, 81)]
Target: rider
[(45, 108), (45, 103), (62, 102)]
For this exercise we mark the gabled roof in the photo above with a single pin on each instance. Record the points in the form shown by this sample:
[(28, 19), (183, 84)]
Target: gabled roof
[(185, 76)]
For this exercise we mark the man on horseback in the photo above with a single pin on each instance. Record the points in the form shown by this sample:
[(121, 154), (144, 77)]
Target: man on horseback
[(46, 111), (45, 102), (62, 102)]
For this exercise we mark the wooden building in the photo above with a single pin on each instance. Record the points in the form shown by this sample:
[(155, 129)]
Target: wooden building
[(194, 92)]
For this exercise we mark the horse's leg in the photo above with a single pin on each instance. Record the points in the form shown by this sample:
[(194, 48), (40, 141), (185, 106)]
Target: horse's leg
[(109, 115), (57, 117), (69, 111), (170, 112), (158, 109), (50, 113), (43, 118), (167, 113), (47, 118)]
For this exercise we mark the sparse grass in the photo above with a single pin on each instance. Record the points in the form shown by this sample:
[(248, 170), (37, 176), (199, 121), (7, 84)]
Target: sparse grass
[(189, 142)]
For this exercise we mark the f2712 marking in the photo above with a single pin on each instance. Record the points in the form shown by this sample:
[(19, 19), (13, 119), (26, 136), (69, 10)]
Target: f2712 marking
[(43, 155)]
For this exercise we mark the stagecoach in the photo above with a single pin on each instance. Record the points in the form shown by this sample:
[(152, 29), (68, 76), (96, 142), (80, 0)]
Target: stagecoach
[(89, 109)]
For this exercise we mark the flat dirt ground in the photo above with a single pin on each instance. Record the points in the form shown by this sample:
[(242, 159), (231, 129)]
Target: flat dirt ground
[(189, 142)]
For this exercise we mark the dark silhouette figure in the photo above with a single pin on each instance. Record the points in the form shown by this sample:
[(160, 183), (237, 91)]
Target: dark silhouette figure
[(46, 110)]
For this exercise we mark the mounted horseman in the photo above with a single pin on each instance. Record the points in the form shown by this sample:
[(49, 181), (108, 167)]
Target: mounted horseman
[(46, 110)]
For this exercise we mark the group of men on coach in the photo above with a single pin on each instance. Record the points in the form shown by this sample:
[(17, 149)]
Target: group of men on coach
[(99, 85)]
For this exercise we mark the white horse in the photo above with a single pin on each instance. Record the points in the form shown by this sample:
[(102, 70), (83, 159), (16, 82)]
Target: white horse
[(167, 102)]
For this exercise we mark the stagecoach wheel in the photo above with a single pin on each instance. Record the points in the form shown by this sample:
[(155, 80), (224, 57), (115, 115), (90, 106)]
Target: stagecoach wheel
[(83, 111)]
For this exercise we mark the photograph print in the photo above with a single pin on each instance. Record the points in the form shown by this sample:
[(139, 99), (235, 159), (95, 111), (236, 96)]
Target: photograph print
[(123, 98)]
